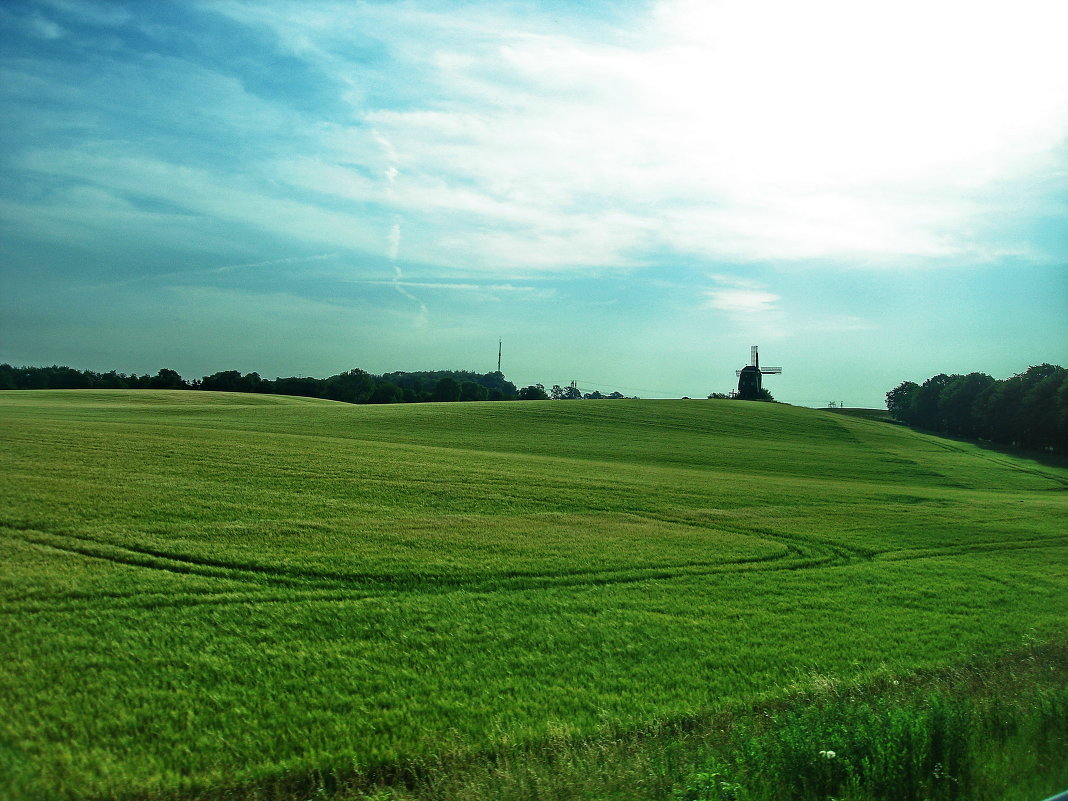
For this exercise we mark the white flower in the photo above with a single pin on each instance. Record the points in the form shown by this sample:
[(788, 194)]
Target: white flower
[(828, 754)]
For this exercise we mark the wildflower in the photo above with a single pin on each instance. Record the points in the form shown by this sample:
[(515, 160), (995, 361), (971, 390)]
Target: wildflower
[(828, 754)]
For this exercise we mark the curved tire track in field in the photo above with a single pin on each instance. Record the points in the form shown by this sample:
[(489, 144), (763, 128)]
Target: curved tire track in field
[(154, 559), (262, 578), (908, 554), (309, 585), (267, 584)]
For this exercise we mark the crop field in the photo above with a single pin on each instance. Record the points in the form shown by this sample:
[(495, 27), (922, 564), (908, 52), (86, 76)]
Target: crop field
[(217, 595)]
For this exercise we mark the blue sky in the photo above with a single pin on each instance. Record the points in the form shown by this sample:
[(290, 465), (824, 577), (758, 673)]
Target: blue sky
[(628, 194)]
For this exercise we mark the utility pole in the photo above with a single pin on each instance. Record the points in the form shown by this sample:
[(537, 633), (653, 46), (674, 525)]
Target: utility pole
[(498, 355)]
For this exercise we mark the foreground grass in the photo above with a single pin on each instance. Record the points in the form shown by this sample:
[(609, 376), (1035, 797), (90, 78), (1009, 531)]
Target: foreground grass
[(988, 730), (276, 596)]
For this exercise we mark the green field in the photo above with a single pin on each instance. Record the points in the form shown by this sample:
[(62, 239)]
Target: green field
[(265, 594)]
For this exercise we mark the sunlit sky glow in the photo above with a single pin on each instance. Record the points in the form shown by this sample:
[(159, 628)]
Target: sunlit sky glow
[(629, 194)]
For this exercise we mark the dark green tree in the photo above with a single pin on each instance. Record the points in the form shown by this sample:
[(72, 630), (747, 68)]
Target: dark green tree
[(471, 391), (386, 392), (926, 411), (302, 386), (225, 381), (956, 403), (899, 401), (447, 390), (1038, 417), (355, 386), (167, 379), (533, 392)]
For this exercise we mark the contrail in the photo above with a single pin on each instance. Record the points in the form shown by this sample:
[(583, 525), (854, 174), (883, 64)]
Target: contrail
[(393, 238), (292, 260), (225, 268), (398, 276)]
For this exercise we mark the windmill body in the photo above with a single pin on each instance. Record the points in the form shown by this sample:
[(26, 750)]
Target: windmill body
[(750, 377)]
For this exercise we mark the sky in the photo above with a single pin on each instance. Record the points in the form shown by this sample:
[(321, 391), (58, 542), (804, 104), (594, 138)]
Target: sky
[(624, 194)]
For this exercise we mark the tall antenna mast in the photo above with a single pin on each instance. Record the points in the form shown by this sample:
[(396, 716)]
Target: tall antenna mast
[(498, 355)]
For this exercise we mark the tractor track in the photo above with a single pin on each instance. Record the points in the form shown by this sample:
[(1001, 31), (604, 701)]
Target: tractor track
[(275, 585)]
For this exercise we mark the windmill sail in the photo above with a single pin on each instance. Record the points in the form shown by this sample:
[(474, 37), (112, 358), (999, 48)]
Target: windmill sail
[(749, 383)]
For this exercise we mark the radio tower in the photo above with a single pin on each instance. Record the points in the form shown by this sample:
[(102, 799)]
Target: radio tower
[(498, 355)]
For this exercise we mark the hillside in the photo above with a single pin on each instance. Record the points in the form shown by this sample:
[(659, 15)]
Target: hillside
[(207, 590)]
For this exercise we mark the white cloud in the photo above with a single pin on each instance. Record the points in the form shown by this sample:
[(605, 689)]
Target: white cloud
[(45, 28), (739, 295), (742, 130), (742, 301), (748, 130), (208, 194)]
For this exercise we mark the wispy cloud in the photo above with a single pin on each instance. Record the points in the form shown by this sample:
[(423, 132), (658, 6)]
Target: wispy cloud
[(197, 273), (742, 301), (738, 295), (737, 130), (836, 132)]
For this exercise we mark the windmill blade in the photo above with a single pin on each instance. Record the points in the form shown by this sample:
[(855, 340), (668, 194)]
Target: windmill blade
[(770, 370)]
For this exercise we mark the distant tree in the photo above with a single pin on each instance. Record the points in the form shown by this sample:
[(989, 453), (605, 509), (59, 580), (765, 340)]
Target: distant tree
[(996, 411), (956, 403), (498, 387), (225, 381), (420, 382), (386, 392), (1029, 409), (1062, 414), (719, 396), (167, 379), (570, 392), (69, 378), (251, 382), (595, 395), (470, 391), (447, 390), (302, 386), (111, 380), (533, 392), (926, 409), (1039, 420), (899, 401), (7, 377), (355, 386)]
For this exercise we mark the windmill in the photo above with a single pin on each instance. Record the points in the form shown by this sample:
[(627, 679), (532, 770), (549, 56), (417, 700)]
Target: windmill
[(749, 377)]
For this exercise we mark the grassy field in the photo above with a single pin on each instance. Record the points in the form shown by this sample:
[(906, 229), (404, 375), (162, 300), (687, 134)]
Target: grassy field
[(271, 597)]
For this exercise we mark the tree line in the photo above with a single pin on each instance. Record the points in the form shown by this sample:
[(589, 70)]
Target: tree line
[(353, 386), (1029, 410)]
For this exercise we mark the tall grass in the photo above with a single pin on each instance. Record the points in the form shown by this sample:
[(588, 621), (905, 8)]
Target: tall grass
[(266, 597), (990, 730)]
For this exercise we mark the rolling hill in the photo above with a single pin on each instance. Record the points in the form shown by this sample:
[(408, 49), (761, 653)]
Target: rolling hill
[(207, 592)]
